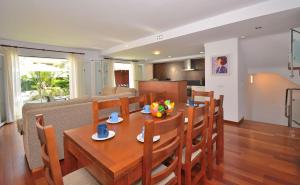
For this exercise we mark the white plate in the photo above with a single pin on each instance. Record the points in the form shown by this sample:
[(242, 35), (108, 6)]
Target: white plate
[(140, 139), (111, 134), (186, 120), (119, 120), (194, 104), (201, 105), (144, 112)]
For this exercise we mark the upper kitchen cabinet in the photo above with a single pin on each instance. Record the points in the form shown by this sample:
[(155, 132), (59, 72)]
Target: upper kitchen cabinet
[(190, 70)]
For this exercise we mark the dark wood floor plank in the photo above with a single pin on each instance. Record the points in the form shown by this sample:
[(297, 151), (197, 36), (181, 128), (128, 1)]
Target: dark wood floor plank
[(14, 168)]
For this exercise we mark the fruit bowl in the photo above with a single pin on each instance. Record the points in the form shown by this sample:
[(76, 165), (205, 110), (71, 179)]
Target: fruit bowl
[(162, 108)]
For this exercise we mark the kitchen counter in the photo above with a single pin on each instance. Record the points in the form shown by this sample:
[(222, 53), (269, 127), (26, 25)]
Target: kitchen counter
[(174, 90)]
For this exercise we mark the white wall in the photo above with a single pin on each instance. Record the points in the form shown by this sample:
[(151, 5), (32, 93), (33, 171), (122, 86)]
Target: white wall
[(148, 72), (242, 83), (266, 98), (269, 53), (227, 85), (267, 59), (90, 55)]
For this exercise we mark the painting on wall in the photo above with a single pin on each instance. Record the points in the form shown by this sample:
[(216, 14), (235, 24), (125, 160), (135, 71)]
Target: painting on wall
[(220, 65)]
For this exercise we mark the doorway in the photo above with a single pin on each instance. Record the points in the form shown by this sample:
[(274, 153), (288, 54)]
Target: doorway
[(122, 78), (124, 75)]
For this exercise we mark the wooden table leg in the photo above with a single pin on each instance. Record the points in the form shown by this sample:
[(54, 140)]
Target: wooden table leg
[(70, 162)]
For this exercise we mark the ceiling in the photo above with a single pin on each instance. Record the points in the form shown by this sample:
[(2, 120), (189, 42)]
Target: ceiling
[(192, 44), (99, 24)]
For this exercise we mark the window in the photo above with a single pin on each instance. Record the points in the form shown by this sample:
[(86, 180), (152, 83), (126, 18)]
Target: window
[(44, 79)]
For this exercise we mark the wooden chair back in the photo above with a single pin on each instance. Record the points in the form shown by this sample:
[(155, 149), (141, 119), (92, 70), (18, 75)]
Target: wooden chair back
[(122, 103), (215, 133), (208, 94), (197, 127), (140, 100), (49, 152), (216, 113), (220, 129), (153, 157)]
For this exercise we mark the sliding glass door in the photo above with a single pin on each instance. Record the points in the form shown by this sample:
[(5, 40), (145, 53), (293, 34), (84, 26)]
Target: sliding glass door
[(44, 79)]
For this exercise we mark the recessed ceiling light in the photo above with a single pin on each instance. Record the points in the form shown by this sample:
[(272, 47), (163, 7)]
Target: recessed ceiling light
[(156, 52), (169, 56), (126, 45), (243, 37), (258, 27), (201, 52)]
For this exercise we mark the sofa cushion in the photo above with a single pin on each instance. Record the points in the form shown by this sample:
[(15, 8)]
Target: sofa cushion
[(102, 98), (30, 106), (120, 90), (33, 106), (108, 91), (112, 97)]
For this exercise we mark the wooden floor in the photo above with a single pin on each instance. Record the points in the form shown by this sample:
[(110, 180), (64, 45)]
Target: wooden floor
[(255, 153)]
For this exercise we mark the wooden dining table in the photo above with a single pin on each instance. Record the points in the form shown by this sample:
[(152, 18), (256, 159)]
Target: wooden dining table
[(114, 161)]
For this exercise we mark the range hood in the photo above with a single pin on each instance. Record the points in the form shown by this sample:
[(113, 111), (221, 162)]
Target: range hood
[(188, 65)]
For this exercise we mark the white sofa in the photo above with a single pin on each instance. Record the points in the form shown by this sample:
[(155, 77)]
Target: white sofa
[(63, 116)]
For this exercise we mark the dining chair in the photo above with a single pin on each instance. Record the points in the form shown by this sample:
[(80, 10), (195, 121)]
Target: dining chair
[(204, 94), (50, 159), (122, 104), (140, 101), (153, 170), (194, 151), (215, 134)]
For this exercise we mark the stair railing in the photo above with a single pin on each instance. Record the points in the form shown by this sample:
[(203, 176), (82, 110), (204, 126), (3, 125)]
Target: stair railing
[(289, 99)]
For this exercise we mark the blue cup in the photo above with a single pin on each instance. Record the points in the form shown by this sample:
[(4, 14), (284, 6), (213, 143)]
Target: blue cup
[(114, 117), (102, 131), (191, 102), (146, 108)]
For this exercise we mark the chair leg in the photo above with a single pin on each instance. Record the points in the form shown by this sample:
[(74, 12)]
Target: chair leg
[(218, 149), (210, 162), (203, 167), (222, 146), (188, 176)]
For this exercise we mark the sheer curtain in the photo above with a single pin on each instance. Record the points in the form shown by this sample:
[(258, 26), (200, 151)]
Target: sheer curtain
[(110, 73), (12, 84), (77, 76), (133, 79)]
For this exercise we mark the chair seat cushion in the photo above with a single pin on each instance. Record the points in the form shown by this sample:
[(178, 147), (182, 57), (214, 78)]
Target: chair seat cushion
[(214, 135), (156, 171), (80, 177), (195, 154)]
